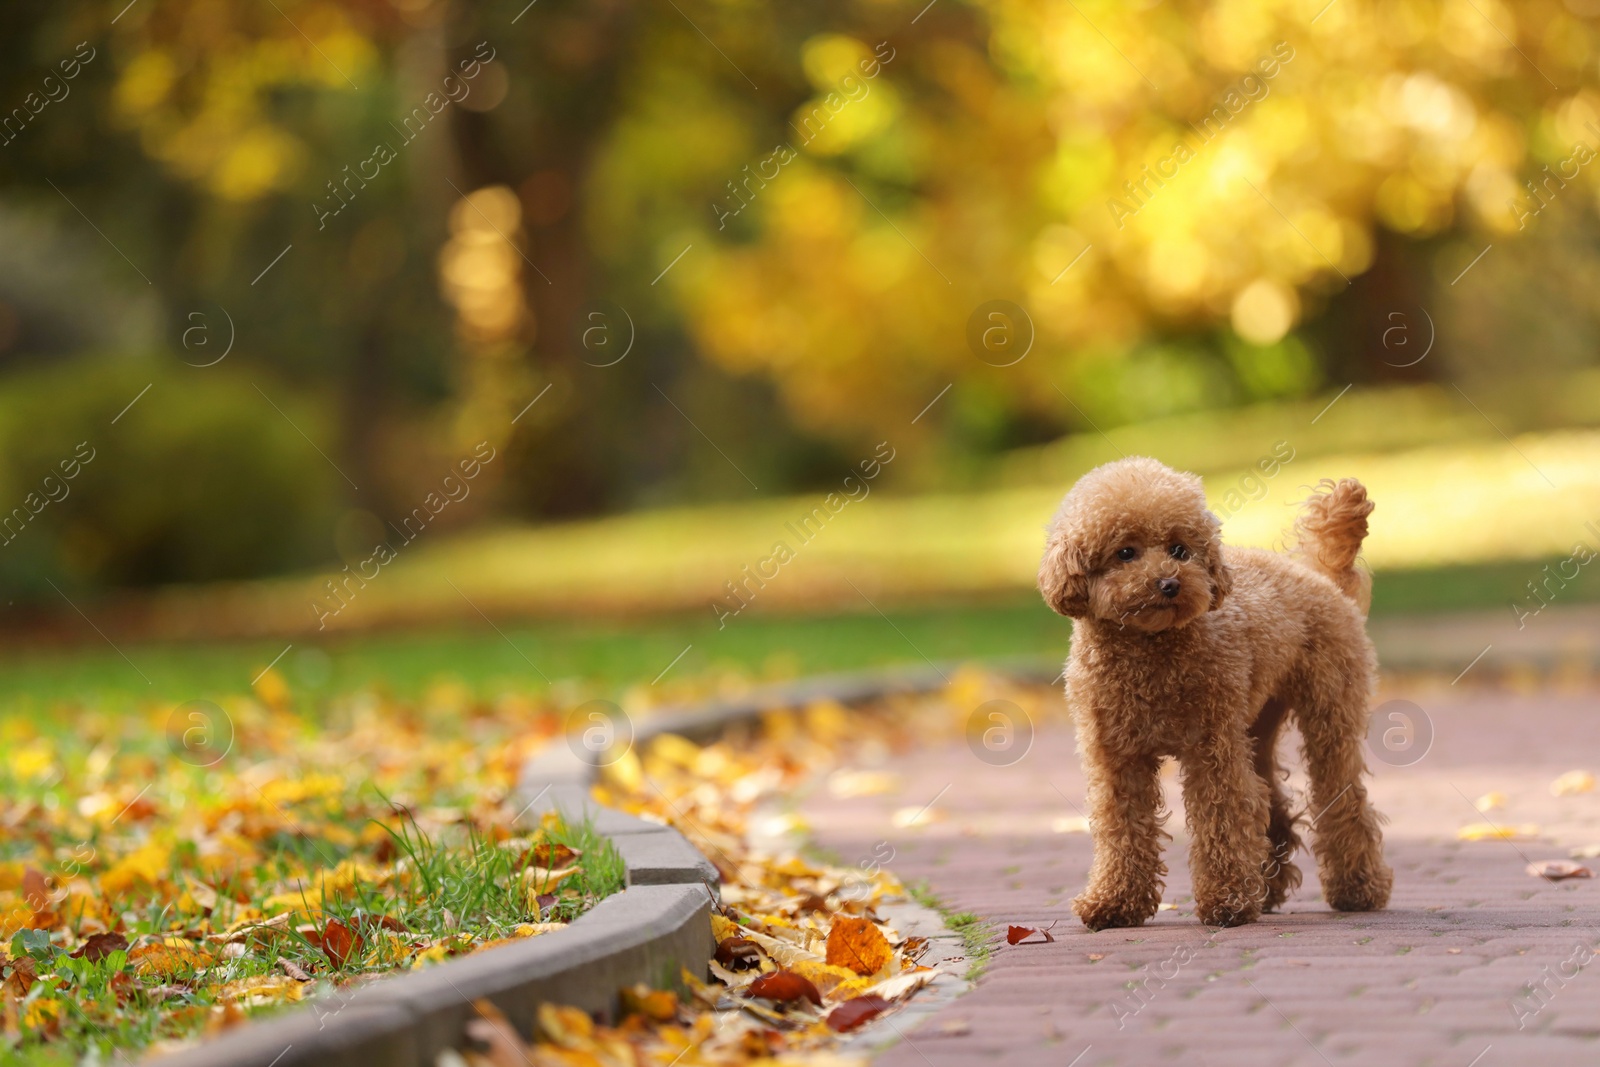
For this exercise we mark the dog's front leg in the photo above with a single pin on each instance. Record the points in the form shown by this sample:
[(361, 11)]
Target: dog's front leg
[(1226, 807), (1125, 816)]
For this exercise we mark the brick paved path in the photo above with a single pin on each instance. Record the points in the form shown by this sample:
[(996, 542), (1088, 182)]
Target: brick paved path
[(1443, 977)]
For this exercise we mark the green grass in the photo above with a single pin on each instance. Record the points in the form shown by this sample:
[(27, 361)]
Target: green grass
[(610, 655), (470, 886), (614, 656), (1486, 586), (977, 935), (474, 886)]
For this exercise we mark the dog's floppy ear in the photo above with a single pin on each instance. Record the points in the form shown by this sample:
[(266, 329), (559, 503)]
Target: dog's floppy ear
[(1064, 576), (1221, 577)]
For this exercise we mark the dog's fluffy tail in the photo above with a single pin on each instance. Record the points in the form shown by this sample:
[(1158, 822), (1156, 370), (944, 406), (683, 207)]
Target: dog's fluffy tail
[(1329, 532)]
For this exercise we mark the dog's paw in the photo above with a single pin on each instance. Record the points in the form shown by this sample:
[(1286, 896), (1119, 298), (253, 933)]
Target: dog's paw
[(1105, 913), (1285, 879), (1227, 912), (1359, 890)]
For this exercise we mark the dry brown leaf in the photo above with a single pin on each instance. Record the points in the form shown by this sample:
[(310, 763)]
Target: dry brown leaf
[(35, 890), (1557, 870), (737, 953), (859, 945), (338, 942), (551, 856), (785, 987), (1018, 935), (293, 969), (21, 973), (853, 1013), (99, 946)]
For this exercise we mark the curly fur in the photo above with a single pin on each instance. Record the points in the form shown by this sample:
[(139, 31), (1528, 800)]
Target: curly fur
[(1202, 655)]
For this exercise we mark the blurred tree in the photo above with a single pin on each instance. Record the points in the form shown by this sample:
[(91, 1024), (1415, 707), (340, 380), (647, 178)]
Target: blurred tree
[(1135, 175), (202, 141), (433, 214)]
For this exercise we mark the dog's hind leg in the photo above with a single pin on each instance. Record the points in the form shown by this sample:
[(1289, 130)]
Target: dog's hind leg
[(1331, 709), (1283, 877)]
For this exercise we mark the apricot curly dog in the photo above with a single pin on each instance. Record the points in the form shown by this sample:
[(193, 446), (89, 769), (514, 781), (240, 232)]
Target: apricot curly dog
[(1182, 649)]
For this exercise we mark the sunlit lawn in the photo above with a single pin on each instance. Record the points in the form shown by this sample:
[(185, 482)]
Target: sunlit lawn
[(1456, 486), (641, 656)]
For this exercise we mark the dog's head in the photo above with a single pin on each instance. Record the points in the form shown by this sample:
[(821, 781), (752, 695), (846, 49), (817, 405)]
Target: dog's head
[(1133, 544)]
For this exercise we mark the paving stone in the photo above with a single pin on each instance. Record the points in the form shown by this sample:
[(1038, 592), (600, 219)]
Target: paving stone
[(1380, 988)]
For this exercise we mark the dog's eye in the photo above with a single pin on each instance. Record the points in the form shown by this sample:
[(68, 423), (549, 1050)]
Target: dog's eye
[(1178, 552), (1126, 554)]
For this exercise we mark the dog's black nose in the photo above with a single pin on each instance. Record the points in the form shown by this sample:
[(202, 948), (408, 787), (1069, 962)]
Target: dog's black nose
[(1168, 586)]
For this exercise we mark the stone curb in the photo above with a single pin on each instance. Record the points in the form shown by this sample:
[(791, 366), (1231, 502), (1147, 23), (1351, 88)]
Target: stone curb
[(646, 933), (650, 932), (705, 721), (643, 934)]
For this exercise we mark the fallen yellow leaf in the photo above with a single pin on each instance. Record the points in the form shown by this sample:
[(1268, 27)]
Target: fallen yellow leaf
[(265, 989), (1488, 831), (906, 818), (168, 959), (846, 784), (859, 945), (1572, 783)]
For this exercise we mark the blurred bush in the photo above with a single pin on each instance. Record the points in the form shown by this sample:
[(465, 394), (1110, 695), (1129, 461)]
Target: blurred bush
[(200, 479)]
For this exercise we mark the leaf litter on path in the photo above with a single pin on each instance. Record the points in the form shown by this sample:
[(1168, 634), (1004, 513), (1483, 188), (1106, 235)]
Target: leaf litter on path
[(805, 953)]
